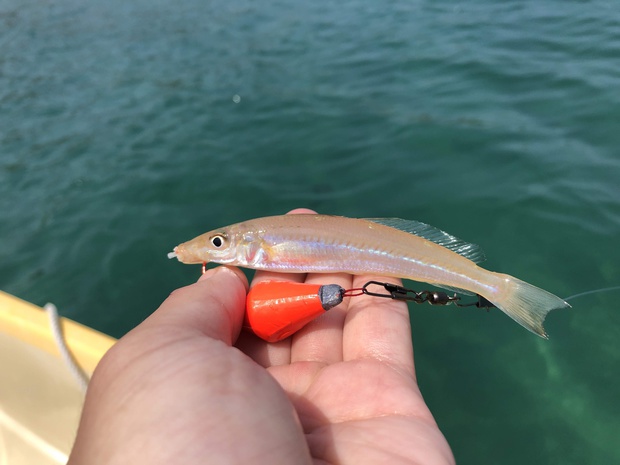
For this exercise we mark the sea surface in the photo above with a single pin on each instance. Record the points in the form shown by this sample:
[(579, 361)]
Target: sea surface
[(127, 127)]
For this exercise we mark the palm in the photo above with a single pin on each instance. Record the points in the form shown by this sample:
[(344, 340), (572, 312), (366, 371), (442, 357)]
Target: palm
[(174, 390), (362, 411), (350, 377)]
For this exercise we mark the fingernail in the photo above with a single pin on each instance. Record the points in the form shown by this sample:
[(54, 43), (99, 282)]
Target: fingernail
[(210, 273)]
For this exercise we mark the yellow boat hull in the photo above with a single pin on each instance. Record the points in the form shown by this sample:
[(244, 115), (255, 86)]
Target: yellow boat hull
[(40, 401)]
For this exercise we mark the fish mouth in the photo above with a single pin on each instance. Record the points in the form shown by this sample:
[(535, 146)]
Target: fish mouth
[(186, 253)]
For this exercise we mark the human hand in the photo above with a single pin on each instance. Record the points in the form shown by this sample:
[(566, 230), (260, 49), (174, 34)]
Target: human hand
[(186, 386)]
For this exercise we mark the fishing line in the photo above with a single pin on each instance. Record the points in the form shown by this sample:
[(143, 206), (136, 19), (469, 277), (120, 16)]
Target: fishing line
[(595, 291), (277, 309)]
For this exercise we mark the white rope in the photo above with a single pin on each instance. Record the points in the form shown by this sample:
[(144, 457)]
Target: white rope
[(80, 376)]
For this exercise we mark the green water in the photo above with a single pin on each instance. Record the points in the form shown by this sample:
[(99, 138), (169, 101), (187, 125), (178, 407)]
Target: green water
[(128, 127)]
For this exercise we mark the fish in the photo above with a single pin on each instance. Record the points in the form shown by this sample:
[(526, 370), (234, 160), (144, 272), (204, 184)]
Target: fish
[(390, 247)]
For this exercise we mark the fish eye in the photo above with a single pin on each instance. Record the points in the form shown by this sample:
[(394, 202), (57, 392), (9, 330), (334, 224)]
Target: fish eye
[(217, 241)]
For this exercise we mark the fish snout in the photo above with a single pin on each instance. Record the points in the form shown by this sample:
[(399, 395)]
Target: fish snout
[(189, 253)]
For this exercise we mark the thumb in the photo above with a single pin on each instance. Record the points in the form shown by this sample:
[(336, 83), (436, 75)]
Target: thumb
[(214, 305)]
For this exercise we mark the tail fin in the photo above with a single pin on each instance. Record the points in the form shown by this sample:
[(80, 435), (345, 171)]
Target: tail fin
[(528, 305)]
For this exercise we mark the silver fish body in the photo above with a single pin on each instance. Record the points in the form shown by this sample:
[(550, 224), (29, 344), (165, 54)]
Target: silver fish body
[(383, 247)]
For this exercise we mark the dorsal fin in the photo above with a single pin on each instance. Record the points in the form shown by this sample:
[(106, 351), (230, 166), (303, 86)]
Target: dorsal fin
[(470, 251)]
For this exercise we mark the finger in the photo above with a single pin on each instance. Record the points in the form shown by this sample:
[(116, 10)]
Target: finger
[(261, 276), (378, 328), (264, 353), (301, 211), (321, 339), (213, 306)]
